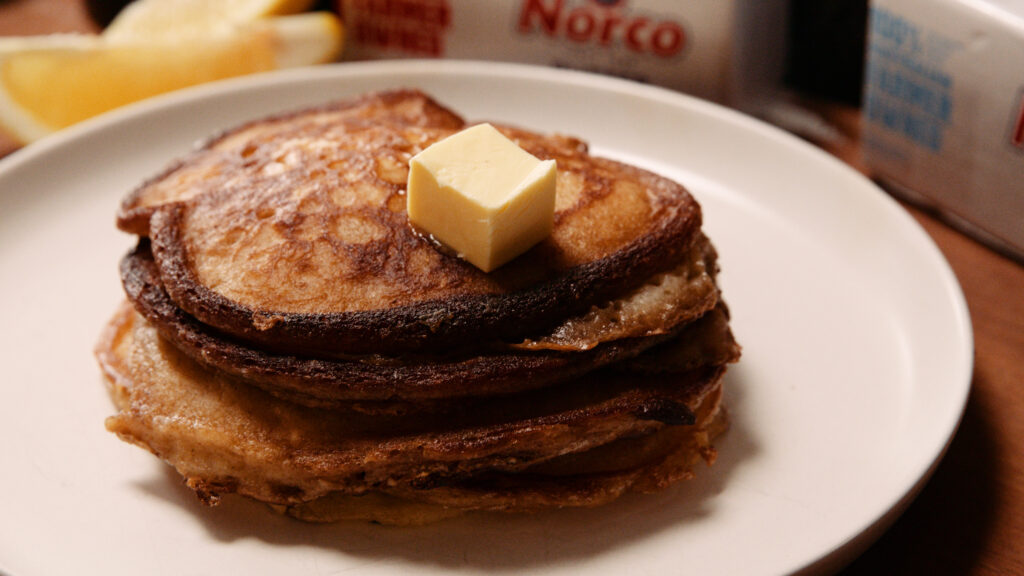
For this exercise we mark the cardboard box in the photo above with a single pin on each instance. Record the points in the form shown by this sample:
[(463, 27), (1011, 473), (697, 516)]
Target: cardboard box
[(944, 110), (729, 51)]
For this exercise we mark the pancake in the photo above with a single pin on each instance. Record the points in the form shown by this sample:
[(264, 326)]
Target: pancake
[(288, 337), (295, 238), (707, 340), (226, 437), (646, 464), (647, 317)]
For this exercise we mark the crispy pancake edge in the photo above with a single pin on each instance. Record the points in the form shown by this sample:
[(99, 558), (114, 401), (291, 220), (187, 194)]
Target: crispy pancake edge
[(293, 454), (520, 494), (326, 382)]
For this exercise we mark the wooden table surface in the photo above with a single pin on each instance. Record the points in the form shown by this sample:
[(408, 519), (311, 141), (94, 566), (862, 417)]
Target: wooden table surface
[(969, 519)]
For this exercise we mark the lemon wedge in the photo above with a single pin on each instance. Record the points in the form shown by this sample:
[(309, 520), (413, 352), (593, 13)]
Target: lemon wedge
[(51, 82), (151, 19)]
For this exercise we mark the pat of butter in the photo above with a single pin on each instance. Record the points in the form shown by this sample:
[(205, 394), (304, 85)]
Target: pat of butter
[(481, 195)]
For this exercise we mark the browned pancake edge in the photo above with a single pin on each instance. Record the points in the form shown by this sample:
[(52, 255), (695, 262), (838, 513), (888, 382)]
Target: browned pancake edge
[(224, 434), (326, 382)]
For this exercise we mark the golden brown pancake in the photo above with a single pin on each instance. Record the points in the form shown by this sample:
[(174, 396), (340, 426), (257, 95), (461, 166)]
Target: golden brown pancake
[(295, 237), (224, 436), (645, 464), (656, 312)]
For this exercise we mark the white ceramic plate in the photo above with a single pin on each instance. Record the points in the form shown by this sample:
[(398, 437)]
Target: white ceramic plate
[(856, 366)]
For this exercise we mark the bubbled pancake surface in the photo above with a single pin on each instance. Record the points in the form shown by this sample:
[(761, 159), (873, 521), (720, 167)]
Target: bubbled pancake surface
[(225, 155), (293, 235)]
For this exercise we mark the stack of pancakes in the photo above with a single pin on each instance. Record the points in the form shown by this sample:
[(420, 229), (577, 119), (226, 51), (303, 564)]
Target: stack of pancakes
[(288, 336)]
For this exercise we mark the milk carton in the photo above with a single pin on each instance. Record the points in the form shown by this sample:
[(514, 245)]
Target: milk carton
[(729, 51), (944, 110)]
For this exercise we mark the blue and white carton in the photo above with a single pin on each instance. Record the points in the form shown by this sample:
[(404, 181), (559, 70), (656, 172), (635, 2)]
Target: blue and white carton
[(944, 110)]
